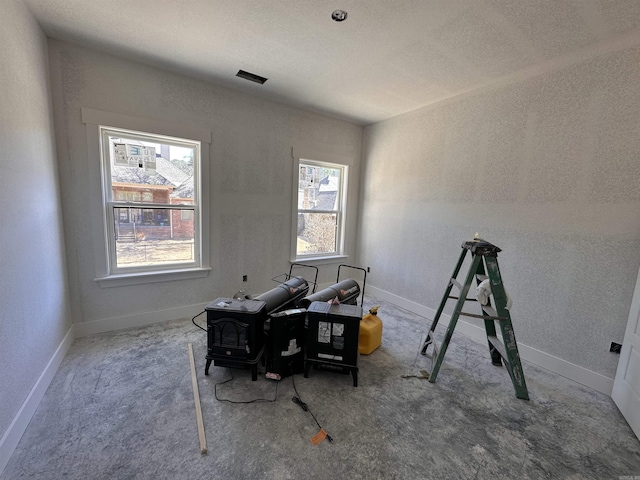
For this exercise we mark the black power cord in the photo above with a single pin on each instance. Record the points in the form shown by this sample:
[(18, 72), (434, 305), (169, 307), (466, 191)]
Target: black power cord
[(193, 320), (255, 400), (295, 400), (305, 407)]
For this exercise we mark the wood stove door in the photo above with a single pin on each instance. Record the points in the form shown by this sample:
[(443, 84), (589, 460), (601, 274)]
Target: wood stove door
[(228, 337)]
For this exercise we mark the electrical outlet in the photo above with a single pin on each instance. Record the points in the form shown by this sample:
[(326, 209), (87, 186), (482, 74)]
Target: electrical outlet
[(615, 347), (244, 278)]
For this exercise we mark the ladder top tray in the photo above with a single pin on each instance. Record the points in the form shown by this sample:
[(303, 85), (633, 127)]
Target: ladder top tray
[(481, 247)]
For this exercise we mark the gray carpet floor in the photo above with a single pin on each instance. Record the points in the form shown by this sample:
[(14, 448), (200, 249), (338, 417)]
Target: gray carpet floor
[(121, 407)]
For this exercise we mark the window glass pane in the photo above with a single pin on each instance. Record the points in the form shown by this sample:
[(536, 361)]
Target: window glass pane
[(317, 233), (153, 236), (166, 170), (319, 188)]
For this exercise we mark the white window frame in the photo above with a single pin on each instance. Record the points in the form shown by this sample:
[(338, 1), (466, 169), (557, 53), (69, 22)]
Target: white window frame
[(107, 274), (329, 161), (111, 203)]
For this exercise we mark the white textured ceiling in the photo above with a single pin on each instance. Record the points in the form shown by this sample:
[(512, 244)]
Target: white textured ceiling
[(387, 58)]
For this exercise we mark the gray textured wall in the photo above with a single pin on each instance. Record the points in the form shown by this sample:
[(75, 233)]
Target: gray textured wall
[(251, 175), (548, 170), (33, 287)]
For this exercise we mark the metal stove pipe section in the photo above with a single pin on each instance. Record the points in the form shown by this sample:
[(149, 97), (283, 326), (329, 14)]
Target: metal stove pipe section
[(284, 295), (347, 292)]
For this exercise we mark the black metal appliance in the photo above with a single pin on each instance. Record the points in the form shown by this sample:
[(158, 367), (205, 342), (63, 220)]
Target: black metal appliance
[(235, 333), (286, 340), (284, 328), (332, 339)]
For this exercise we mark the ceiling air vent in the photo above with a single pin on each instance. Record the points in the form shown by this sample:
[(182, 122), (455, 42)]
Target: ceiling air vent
[(251, 76)]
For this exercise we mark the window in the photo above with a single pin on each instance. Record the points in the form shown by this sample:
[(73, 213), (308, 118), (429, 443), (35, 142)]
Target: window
[(321, 201), (145, 174), (151, 207)]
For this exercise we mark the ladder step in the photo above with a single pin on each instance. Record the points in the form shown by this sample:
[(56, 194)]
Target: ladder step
[(490, 311), (498, 345), (515, 373), (486, 317), (456, 283), (466, 299)]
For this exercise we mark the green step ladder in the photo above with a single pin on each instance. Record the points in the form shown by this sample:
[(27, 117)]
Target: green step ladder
[(484, 264)]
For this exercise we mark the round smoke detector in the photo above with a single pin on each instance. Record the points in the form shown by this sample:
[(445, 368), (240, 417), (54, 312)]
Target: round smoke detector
[(339, 15)]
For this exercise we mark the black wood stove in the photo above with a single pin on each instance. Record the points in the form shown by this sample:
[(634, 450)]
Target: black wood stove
[(235, 333)]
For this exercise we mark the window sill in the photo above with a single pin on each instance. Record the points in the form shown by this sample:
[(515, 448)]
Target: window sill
[(328, 260), (122, 280)]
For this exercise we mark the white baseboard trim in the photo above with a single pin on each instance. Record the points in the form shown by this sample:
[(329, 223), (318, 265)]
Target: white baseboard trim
[(14, 433), (549, 362), (83, 329)]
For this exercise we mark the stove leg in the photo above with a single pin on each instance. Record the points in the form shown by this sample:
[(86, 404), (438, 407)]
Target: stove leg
[(307, 367), (354, 374), (206, 367)]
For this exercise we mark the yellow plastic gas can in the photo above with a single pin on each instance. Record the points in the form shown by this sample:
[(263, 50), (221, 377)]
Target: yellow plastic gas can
[(370, 336)]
